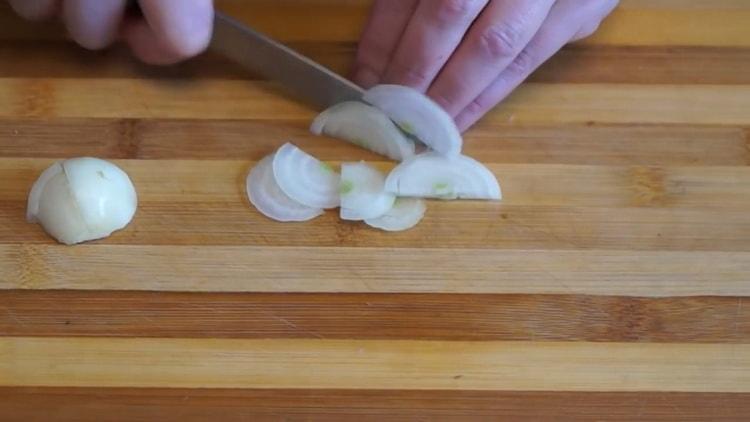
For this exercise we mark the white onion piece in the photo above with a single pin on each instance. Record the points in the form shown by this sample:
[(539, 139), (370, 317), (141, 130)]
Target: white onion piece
[(37, 189), (306, 179), (104, 193), (82, 199), (431, 175), (364, 126), (362, 194), (264, 193), (418, 116), (404, 215)]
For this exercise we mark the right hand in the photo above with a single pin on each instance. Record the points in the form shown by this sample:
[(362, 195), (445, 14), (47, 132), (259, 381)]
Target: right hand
[(168, 32)]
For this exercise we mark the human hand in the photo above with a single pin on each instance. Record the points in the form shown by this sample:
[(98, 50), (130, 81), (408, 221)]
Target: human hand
[(169, 30), (468, 55)]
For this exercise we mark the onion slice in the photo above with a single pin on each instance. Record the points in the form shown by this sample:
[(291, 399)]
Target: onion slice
[(417, 115), (431, 175), (264, 193), (404, 215), (364, 126), (362, 194), (305, 179)]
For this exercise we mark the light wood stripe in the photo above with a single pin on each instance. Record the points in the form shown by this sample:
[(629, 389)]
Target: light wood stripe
[(373, 270), (581, 103), (617, 145), (381, 364), (32, 313), (532, 103), (199, 405), (659, 22), (523, 184), (467, 225)]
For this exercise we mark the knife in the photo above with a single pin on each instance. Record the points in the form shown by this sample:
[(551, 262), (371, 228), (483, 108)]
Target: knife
[(301, 76)]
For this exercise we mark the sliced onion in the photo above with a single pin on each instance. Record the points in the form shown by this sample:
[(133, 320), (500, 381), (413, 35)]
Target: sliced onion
[(417, 115), (264, 193), (405, 214), (305, 179), (431, 175), (362, 194), (364, 126)]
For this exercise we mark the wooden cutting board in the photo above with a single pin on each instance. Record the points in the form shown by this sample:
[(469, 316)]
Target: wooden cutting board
[(610, 284)]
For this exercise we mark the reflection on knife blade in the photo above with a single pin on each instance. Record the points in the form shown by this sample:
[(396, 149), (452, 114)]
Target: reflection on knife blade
[(303, 77)]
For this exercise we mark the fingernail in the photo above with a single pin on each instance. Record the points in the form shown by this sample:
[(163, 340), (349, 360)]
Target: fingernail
[(366, 77)]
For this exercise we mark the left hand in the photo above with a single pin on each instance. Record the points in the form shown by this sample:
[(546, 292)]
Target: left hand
[(468, 55)]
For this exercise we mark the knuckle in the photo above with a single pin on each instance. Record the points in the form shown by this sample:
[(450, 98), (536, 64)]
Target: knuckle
[(523, 64), (410, 75), (477, 106), (447, 12), (500, 41)]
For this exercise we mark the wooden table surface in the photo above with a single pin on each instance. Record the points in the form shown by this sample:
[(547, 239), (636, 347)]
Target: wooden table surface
[(610, 284)]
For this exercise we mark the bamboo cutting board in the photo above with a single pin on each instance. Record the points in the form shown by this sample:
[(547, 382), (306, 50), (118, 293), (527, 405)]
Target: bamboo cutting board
[(610, 284)]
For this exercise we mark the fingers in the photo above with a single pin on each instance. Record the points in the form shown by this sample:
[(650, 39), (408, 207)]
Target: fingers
[(388, 20), (94, 24), (497, 37), (567, 19), (433, 33), (173, 30), (35, 10)]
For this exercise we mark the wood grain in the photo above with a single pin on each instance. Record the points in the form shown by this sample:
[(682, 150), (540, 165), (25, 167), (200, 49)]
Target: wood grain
[(375, 316), (575, 64), (131, 405), (710, 188), (373, 364), (535, 103), (373, 270), (617, 145), (659, 22), (611, 284)]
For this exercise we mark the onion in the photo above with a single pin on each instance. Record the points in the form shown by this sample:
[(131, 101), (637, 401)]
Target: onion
[(82, 199), (264, 193), (404, 215), (305, 179), (418, 116), (362, 194), (430, 175), (364, 126)]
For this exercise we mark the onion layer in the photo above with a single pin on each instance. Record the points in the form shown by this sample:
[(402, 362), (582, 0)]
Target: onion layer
[(306, 179), (431, 175), (266, 195)]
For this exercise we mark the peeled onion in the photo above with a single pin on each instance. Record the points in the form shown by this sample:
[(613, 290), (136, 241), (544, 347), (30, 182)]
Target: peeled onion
[(431, 175), (362, 194), (419, 116), (264, 193), (364, 126), (82, 199), (404, 215), (306, 179)]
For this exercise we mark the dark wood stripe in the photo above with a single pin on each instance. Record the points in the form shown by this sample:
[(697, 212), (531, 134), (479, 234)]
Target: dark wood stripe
[(374, 316), (576, 64), (222, 139), (185, 405), (39, 59)]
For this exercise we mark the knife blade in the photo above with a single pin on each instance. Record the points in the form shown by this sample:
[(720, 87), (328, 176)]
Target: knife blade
[(301, 76)]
